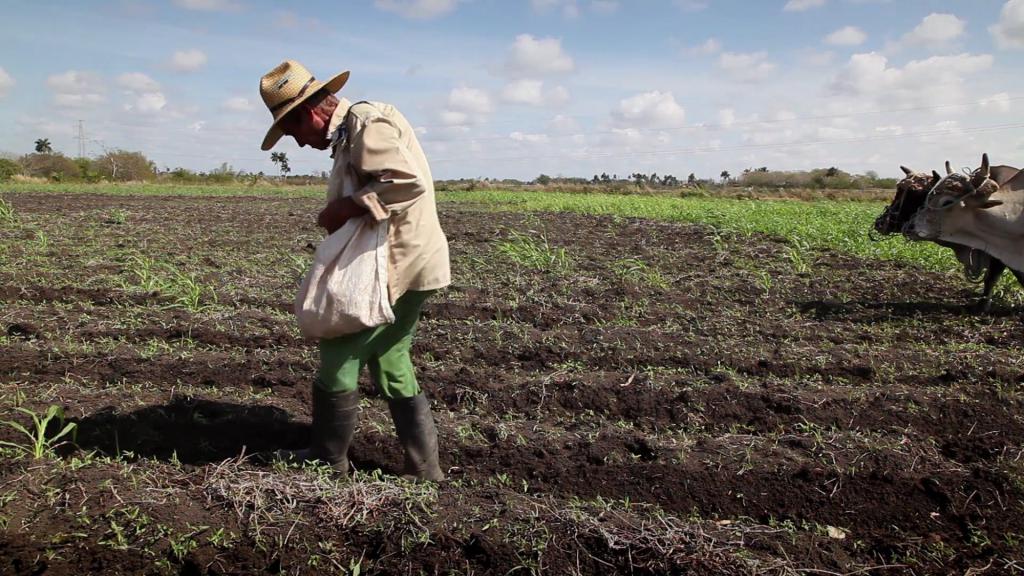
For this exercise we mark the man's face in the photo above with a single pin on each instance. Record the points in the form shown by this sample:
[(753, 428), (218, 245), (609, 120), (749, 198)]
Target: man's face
[(307, 127)]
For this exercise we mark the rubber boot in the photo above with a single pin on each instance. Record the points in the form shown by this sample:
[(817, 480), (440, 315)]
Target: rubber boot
[(334, 422), (414, 424)]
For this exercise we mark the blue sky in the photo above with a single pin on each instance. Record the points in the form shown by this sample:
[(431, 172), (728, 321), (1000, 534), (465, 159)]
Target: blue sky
[(515, 88)]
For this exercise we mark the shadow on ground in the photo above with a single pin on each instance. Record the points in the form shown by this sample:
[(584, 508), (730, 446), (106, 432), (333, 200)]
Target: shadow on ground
[(192, 430)]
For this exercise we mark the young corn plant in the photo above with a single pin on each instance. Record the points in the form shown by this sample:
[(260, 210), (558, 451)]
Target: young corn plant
[(638, 271), (7, 215), (39, 444), (184, 289), (797, 253)]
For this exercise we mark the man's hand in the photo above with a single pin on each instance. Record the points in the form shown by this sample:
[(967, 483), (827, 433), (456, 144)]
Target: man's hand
[(337, 212)]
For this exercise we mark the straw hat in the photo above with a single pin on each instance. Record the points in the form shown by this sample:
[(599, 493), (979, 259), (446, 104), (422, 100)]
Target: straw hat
[(287, 86)]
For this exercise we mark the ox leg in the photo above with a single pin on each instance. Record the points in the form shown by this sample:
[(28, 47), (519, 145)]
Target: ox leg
[(995, 270)]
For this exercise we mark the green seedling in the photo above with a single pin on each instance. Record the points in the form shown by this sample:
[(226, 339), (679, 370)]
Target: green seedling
[(7, 215), (535, 253), (117, 216), (638, 271), (40, 445)]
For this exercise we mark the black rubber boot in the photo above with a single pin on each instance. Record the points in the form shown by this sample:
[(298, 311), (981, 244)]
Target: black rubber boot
[(334, 422), (414, 424)]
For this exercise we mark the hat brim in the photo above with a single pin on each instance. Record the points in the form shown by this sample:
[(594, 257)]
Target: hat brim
[(333, 86)]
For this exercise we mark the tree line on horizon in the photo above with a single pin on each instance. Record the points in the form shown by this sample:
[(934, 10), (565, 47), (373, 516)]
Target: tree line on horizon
[(132, 166)]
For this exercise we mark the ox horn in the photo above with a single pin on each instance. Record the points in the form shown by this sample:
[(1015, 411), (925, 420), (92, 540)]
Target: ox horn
[(985, 168), (949, 167), (936, 175), (906, 170)]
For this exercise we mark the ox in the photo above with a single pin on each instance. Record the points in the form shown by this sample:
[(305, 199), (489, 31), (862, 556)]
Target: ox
[(978, 211), (910, 196)]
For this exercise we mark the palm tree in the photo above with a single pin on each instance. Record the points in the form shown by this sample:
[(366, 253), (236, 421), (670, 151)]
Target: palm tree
[(725, 176), (43, 146), (281, 159)]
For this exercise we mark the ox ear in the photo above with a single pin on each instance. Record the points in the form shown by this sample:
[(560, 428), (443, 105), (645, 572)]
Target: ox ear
[(936, 175), (907, 171), (949, 168), (986, 170)]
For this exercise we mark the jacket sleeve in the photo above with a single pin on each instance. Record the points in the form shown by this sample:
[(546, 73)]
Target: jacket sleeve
[(382, 160)]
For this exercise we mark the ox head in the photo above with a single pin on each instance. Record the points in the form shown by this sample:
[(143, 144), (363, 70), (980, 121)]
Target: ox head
[(911, 192), (954, 191)]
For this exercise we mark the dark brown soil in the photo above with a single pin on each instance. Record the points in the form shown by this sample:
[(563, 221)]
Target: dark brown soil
[(654, 407)]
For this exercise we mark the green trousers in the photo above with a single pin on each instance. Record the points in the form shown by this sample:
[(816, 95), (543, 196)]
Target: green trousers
[(385, 349)]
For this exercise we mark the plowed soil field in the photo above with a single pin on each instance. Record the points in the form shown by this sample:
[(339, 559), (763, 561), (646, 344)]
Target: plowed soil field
[(613, 396)]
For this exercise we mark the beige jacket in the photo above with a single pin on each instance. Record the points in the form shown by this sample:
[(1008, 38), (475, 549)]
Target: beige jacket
[(379, 163)]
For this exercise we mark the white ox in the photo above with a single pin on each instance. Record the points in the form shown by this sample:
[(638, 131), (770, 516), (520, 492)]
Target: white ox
[(987, 216)]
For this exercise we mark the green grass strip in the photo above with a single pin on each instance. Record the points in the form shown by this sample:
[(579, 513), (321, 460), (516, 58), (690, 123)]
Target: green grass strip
[(838, 225)]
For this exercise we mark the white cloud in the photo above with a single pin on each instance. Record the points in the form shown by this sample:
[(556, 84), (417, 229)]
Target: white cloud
[(209, 5), (289, 20), (563, 124), (76, 89), (465, 107), (817, 59), (746, 67), (6, 82), (453, 118), (708, 47), (148, 102), (846, 36), (530, 138), (238, 104), (801, 5), (893, 129), (557, 96), (144, 91), (650, 109), (1009, 30), (997, 102), (524, 92), (532, 92), (138, 82), (936, 30), (943, 78), (569, 8), (188, 60), (726, 117), (692, 5), (604, 6), (532, 57), (417, 9)]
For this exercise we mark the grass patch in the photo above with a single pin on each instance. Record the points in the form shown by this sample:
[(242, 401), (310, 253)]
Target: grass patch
[(818, 224), (535, 253)]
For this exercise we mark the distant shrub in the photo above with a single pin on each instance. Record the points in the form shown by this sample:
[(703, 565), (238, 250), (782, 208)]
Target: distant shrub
[(52, 166), (124, 166), (87, 170), (8, 168)]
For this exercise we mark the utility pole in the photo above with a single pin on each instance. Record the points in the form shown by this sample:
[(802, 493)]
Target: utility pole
[(81, 140)]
